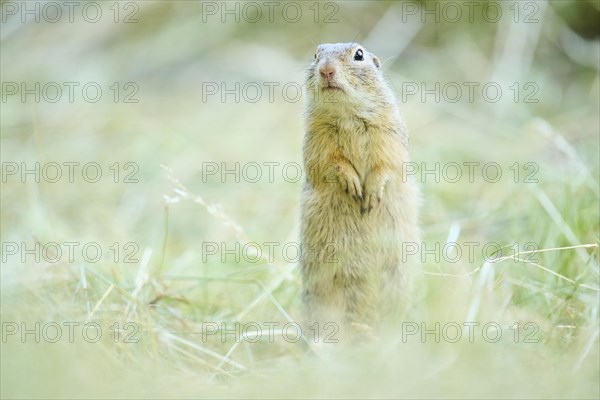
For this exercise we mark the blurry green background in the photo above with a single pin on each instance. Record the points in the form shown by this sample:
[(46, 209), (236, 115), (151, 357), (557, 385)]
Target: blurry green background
[(168, 52)]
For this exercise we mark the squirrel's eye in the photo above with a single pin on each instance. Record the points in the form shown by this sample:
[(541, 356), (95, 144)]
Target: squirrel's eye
[(315, 56), (358, 56)]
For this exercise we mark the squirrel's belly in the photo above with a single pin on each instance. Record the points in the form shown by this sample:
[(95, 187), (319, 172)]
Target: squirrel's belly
[(332, 216)]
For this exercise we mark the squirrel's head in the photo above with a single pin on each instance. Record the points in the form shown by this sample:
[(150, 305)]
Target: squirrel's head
[(346, 74)]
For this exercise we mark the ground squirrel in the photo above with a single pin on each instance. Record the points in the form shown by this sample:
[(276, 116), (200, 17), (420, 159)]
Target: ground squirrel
[(358, 207)]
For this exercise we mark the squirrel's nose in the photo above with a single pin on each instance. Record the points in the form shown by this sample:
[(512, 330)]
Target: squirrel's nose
[(327, 71)]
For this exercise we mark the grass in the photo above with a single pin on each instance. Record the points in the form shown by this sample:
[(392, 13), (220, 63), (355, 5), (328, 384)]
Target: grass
[(541, 288)]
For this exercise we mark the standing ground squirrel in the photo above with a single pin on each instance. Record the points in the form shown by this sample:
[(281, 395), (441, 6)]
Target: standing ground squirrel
[(358, 206)]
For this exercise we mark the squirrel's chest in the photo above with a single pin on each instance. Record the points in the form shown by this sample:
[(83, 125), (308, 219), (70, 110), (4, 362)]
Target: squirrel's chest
[(358, 144)]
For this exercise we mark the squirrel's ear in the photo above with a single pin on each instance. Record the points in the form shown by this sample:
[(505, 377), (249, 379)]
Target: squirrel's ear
[(376, 62)]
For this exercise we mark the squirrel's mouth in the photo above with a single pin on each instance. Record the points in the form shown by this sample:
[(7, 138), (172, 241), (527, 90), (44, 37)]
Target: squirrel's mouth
[(330, 86)]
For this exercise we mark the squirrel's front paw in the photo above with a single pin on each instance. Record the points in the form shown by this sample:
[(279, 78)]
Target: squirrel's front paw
[(373, 194), (351, 185)]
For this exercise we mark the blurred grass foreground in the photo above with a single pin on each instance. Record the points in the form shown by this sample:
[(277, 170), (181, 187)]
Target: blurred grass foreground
[(150, 199)]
